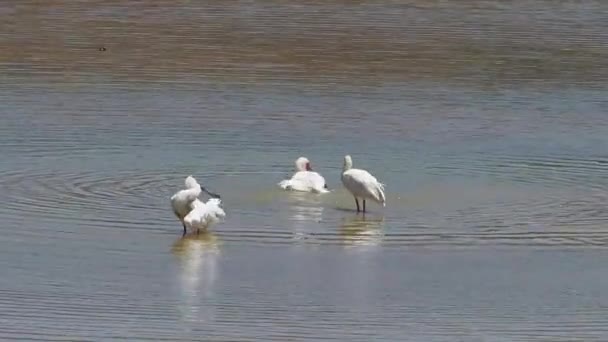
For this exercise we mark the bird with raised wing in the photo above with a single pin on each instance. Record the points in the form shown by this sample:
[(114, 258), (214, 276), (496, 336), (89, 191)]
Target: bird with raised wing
[(361, 184), (204, 215), (183, 201)]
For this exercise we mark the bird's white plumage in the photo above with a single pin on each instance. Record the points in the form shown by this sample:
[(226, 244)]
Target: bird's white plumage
[(308, 181), (191, 182), (204, 215), (181, 201), (304, 179), (361, 184)]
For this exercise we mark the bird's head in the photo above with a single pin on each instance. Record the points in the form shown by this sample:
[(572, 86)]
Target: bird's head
[(212, 194), (303, 164), (348, 162)]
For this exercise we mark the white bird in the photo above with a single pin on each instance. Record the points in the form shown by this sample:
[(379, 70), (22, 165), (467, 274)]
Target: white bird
[(305, 179), (204, 215), (184, 201), (361, 184)]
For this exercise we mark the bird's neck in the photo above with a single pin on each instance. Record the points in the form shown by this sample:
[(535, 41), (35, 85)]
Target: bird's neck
[(193, 193)]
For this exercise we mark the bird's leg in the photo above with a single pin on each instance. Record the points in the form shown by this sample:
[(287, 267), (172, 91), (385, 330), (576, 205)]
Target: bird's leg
[(184, 229), (357, 201), (364, 205)]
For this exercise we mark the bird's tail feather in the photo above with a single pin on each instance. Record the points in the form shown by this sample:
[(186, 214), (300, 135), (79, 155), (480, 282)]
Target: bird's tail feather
[(381, 196)]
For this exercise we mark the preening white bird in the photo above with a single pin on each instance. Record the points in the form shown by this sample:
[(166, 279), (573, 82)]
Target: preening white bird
[(204, 215), (305, 179), (183, 201), (361, 184)]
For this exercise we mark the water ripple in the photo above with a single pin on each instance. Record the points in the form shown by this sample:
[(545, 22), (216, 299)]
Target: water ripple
[(138, 201)]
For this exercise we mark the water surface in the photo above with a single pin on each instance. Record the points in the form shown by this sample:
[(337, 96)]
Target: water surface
[(485, 120)]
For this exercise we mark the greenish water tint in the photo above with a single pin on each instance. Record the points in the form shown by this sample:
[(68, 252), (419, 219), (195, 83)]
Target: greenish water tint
[(487, 122)]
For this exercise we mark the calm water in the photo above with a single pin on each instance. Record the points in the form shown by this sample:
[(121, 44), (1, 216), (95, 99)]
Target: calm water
[(486, 120)]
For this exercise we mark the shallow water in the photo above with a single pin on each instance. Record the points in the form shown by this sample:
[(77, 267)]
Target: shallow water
[(485, 120)]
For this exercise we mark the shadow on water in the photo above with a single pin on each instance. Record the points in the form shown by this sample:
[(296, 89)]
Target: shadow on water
[(354, 210), (346, 210), (198, 256)]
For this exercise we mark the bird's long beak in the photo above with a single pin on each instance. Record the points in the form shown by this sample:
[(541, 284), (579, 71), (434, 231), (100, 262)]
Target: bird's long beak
[(212, 194)]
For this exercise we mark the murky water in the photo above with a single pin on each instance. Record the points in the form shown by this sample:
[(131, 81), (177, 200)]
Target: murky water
[(486, 120)]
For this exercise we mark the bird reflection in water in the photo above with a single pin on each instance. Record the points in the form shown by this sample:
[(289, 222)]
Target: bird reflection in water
[(362, 231), (361, 238), (198, 256), (305, 213)]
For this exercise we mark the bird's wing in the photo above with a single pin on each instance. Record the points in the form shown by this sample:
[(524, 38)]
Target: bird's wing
[(362, 182), (317, 182), (299, 181), (197, 204), (374, 188), (300, 176)]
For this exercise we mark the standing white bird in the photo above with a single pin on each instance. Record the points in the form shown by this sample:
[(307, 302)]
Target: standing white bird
[(184, 201), (305, 179), (204, 215), (361, 184)]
